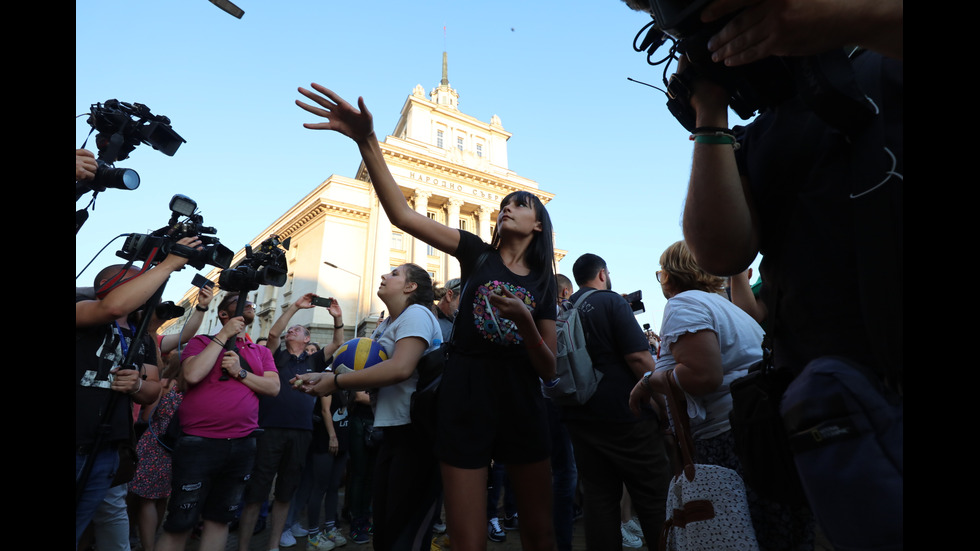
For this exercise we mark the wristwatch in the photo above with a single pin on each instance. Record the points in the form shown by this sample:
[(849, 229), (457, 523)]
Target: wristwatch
[(646, 379), (242, 374)]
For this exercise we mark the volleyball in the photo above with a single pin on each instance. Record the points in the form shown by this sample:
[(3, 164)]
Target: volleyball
[(357, 354)]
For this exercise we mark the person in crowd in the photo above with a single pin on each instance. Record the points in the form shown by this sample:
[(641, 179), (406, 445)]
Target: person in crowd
[(447, 306), (816, 186), (708, 342), (564, 473), (150, 488), (613, 447), (219, 416), (286, 422), (406, 476), (325, 466), (103, 338), (490, 402)]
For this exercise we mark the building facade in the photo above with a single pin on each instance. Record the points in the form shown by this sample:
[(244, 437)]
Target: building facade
[(451, 167)]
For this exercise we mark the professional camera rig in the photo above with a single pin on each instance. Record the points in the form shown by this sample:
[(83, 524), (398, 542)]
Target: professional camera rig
[(823, 81), (123, 126), (154, 247)]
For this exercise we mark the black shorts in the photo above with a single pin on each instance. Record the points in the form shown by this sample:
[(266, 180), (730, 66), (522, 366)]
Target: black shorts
[(491, 409), (208, 480), (280, 455)]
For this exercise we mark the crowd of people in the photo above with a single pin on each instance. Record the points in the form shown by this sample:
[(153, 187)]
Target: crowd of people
[(198, 434)]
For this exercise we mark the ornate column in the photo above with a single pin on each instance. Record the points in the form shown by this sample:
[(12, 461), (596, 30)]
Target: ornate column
[(419, 246), (452, 220), (382, 258), (485, 212)]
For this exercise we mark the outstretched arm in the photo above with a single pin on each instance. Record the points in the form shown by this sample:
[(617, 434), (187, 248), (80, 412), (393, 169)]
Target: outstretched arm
[(338, 329), (132, 294), (358, 125)]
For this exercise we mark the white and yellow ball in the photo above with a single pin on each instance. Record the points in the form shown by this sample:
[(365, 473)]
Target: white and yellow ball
[(356, 354)]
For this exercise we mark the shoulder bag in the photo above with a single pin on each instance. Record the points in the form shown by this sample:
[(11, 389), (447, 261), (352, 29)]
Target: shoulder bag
[(707, 507)]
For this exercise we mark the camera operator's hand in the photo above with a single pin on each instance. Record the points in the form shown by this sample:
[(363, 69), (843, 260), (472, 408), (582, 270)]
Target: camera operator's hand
[(231, 363), (175, 260), (709, 100), (126, 381), (231, 329), (341, 116), (802, 27), (85, 165)]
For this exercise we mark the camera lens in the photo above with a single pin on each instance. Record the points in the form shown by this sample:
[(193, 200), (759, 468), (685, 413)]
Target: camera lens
[(118, 178)]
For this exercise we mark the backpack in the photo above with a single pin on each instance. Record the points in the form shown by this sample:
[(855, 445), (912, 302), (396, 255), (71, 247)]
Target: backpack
[(578, 380)]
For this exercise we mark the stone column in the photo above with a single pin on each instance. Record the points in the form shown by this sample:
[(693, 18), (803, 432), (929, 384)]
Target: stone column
[(452, 220), (485, 212), (419, 246)]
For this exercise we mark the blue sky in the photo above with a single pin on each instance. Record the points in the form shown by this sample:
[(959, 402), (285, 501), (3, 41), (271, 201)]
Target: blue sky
[(554, 72)]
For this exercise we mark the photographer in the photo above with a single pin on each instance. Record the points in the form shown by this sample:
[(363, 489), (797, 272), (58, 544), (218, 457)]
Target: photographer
[(218, 418), (820, 197), (105, 389), (287, 425)]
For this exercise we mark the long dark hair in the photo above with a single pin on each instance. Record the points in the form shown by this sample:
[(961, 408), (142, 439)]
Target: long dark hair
[(540, 256), (424, 293)]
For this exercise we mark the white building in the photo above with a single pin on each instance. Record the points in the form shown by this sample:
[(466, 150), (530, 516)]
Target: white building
[(450, 166)]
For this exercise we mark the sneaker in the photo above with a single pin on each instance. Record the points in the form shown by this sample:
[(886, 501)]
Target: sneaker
[(320, 542), (510, 523), (287, 539), (633, 527), (629, 540), (494, 531), (298, 530), (335, 536), (439, 527), (359, 532)]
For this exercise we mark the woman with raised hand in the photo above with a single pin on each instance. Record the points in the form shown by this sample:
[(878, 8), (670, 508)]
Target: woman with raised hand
[(490, 400), (406, 477)]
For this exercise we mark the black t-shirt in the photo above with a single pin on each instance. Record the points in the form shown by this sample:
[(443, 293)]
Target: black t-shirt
[(803, 174), (290, 409), (611, 332), (479, 328), (97, 350)]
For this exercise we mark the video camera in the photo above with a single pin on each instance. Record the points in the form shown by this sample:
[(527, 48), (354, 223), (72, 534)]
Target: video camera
[(264, 266), (824, 81), (155, 246), (751, 87), (122, 126)]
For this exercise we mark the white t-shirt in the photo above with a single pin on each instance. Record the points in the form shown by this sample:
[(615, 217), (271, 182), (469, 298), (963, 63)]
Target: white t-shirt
[(740, 343), (391, 408)]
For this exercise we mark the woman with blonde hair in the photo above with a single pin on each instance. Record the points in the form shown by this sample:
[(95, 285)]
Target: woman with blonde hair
[(709, 342)]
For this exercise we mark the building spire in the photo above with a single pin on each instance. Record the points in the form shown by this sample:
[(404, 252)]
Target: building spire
[(445, 69), (444, 94)]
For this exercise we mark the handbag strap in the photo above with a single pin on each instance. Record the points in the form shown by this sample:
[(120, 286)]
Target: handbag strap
[(677, 402), (462, 290)]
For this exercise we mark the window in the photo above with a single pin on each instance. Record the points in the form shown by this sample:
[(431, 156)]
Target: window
[(462, 224), (430, 250), (439, 139), (459, 144), (479, 150), (397, 241)]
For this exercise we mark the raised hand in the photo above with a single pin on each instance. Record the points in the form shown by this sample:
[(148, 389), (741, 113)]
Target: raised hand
[(341, 116)]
